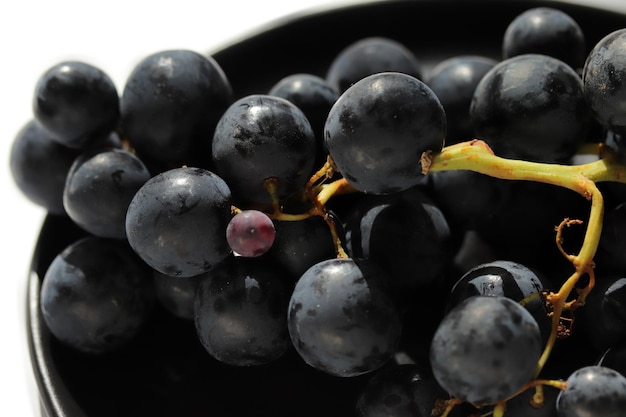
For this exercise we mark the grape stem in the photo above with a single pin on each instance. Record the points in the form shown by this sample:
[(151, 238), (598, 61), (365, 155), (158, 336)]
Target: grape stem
[(476, 155)]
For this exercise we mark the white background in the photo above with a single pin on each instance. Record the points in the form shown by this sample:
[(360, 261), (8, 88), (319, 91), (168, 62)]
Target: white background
[(112, 34)]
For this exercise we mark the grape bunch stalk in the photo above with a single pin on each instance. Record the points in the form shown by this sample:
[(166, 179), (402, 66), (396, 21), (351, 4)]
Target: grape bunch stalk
[(326, 216)]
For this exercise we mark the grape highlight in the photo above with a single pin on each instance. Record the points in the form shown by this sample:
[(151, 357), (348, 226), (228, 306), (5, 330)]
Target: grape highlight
[(336, 241)]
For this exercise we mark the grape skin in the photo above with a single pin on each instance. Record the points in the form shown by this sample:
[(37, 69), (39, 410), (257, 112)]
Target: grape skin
[(340, 319), (531, 107), (177, 221), (96, 295), (593, 391), (250, 233), (547, 31), (99, 188), (603, 80), (485, 363), (378, 129), (77, 103)]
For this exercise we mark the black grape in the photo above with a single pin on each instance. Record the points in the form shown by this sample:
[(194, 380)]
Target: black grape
[(77, 103), (593, 391), (299, 245), (241, 312), (612, 244), (39, 166), (378, 129), (99, 188), (399, 391), (170, 105), (369, 56), (508, 279), (177, 221), (482, 363), (314, 96), (603, 317), (340, 318), (405, 234), (547, 31), (454, 80), (604, 77), (96, 295), (531, 107), (262, 137)]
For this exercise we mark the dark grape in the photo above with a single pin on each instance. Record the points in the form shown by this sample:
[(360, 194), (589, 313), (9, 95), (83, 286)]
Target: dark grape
[(341, 320), (454, 80), (77, 103), (369, 56), (170, 105), (399, 391), (299, 245), (547, 31), (314, 96), (508, 279), (99, 188), (96, 295), (262, 137), (603, 80), (593, 391), (603, 317), (482, 363), (379, 128), (241, 312), (531, 107), (250, 233), (404, 234), (177, 221), (613, 240), (39, 166)]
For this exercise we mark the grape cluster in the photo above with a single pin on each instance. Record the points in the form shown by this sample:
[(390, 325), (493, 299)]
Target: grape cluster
[(407, 238)]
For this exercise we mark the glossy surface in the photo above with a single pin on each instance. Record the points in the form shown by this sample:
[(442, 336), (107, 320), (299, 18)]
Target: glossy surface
[(75, 386)]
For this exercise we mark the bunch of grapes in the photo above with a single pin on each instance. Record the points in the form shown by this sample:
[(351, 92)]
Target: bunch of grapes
[(446, 242)]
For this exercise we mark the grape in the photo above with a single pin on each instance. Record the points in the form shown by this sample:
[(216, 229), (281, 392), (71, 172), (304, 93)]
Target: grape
[(531, 107), (299, 245), (593, 391), (603, 317), (96, 295), (482, 363), (250, 233), (177, 220), (404, 234), (39, 166), (77, 103), (378, 129), (547, 31), (170, 105), (99, 188), (314, 96), (454, 80), (241, 312), (341, 320), (399, 391), (262, 137), (369, 56), (603, 80), (613, 240), (508, 279)]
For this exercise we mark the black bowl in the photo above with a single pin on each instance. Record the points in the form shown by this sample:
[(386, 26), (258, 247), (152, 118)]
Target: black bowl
[(166, 372)]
